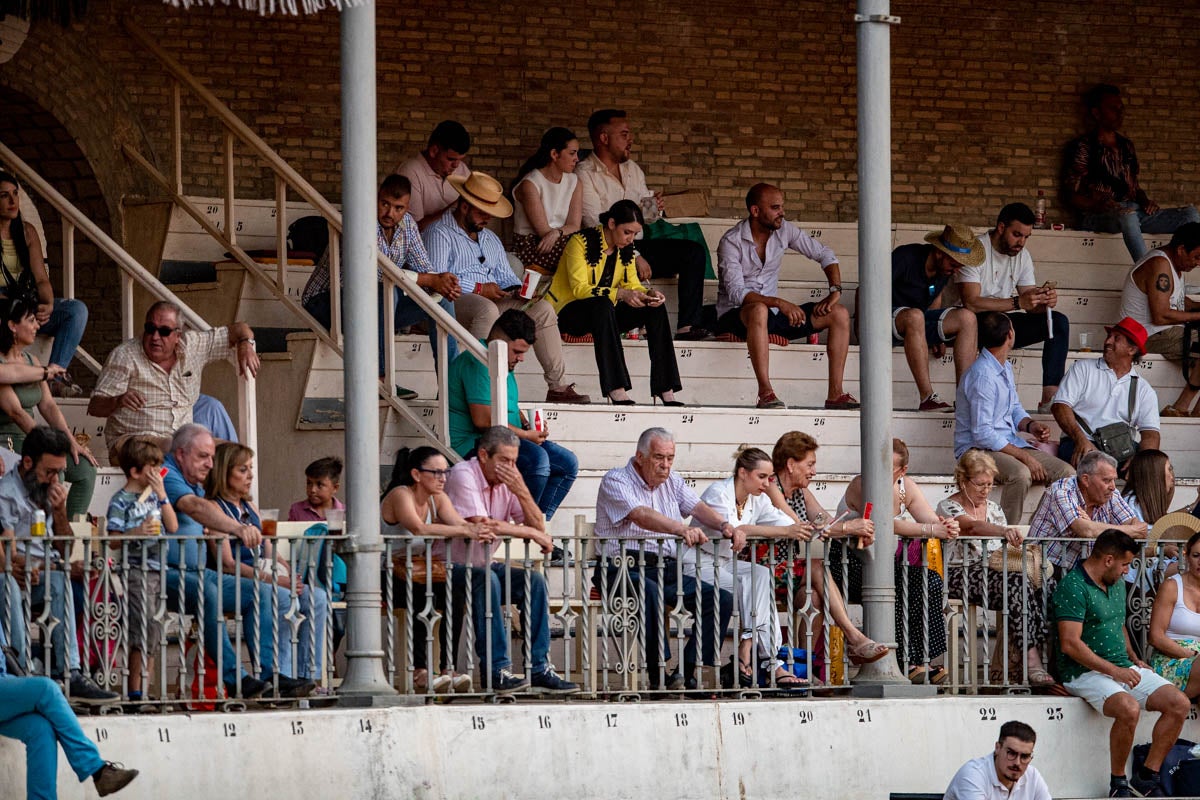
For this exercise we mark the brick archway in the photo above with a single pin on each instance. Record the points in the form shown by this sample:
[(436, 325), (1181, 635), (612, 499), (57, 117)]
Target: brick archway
[(44, 143)]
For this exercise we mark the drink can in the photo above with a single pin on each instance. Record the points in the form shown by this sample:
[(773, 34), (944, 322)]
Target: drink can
[(39, 523), (814, 338), (539, 420)]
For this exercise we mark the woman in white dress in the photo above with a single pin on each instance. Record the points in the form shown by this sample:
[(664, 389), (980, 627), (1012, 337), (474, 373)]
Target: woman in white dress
[(743, 501), (549, 202)]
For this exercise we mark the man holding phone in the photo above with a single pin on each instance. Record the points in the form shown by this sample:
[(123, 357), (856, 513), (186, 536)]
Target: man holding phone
[(1004, 282), (460, 243)]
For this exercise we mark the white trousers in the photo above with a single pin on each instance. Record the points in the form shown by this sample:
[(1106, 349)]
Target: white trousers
[(753, 591)]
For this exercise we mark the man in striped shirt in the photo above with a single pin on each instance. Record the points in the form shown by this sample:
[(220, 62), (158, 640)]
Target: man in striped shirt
[(640, 511), (460, 243)]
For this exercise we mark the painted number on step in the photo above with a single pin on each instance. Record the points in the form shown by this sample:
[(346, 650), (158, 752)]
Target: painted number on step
[(689, 482), (1146, 365), (1191, 713), (1088, 242), (805, 717), (229, 729), (815, 234), (864, 715), (753, 420), (551, 416), (686, 419), (818, 422), (685, 353), (238, 227), (543, 722), (619, 417), (680, 720), (987, 715), (819, 486), (739, 718), (415, 347), (818, 356), (297, 727), (945, 360), (1081, 301), (478, 724), (101, 734), (211, 209), (947, 424), (1054, 713), (610, 720), (364, 726), (164, 735)]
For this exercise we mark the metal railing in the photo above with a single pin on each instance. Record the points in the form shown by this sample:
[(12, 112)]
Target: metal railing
[(287, 179)]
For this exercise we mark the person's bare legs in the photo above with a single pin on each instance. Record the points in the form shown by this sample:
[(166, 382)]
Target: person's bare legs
[(837, 345), (1192, 688), (1173, 707), (1188, 394), (910, 324), (960, 324), (1124, 711), (754, 317)]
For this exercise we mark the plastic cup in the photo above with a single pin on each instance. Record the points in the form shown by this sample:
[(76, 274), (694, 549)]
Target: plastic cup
[(270, 521), (650, 208), (336, 519), (1085, 341), (529, 284)]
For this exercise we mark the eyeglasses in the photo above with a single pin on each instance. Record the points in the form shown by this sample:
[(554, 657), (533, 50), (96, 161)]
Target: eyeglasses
[(162, 330), (986, 485), (1013, 755), (437, 473)]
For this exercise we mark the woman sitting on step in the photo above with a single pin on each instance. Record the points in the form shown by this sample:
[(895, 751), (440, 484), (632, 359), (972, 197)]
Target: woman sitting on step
[(919, 591), (549, 202), (596, 290), (18, 329), (23, 269), (797, 566)]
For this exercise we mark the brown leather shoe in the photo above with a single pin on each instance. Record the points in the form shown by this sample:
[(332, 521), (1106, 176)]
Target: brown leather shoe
[(567, 394), (113, 778)]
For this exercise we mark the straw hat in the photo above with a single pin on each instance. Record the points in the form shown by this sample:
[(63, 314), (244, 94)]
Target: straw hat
[(960, 243), (482, 191)]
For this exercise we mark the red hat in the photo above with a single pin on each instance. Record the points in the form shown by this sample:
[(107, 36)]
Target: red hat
[(1133, 330)]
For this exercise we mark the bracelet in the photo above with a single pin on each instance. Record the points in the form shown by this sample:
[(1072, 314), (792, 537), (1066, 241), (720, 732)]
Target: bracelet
[(46, 373)]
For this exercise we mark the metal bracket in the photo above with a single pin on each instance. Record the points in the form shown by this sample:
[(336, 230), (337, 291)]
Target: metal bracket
[(887, 19)]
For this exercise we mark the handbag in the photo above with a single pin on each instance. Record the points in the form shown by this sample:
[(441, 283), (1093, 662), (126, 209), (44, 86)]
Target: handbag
[(1011, 558), (1116, 439), (423, 571)]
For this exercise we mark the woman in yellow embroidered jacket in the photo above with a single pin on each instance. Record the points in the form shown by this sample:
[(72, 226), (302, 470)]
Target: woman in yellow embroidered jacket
[(596, 290)]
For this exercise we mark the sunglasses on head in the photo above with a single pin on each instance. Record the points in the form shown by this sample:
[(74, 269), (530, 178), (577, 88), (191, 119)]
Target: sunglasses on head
[(162, 330)]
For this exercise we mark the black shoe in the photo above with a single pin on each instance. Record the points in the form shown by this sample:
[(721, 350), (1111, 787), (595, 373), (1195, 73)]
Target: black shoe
[(251, 688), (549, 682), (112, 778), (693, 334), (689, 674), (1119, 787), (1146, 787), (293, 687), (674, 681), (84, 690)]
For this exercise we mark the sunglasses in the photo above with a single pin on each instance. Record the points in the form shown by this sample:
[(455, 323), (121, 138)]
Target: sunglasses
[(162, 330)]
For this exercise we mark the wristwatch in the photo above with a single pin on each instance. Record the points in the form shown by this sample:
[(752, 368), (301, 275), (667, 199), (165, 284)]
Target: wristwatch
[(1016, 302), (835, 288)]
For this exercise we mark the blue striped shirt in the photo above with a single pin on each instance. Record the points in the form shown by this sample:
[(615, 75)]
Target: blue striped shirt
[(472, 262), (622, 490)]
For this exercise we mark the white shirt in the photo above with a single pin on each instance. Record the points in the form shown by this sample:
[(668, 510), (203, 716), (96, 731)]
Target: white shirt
[(601, 189), (740, 271), (1135, 304), (977, 780), (556, 201), (999, 275), (721, 497), (1097, 396)]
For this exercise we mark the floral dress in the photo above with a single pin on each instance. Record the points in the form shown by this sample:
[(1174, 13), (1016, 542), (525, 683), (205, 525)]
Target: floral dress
[(786, 558)]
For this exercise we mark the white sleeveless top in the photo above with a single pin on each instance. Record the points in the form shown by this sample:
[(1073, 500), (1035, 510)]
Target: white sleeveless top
[(556, 201), (1133, 300), (1185, 623)]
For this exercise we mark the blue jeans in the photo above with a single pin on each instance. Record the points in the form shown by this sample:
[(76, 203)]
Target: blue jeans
[(216, 637), (267, 633), (1131, 221), (535, 620), (63, 639), (66, 324), (406, 312), (549, 471), (34, 711)]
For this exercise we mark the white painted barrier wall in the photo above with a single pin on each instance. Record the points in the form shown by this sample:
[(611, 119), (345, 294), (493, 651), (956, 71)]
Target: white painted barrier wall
[(752, 749)]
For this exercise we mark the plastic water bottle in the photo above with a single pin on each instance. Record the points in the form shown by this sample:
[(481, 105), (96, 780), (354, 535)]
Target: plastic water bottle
[(1039, 210), (154, 522)]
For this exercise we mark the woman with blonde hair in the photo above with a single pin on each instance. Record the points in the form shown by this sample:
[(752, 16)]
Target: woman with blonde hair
[(970, 576), (794, 460)]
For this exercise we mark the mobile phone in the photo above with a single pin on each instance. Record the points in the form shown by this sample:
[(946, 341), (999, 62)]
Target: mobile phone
[(1050, 285)]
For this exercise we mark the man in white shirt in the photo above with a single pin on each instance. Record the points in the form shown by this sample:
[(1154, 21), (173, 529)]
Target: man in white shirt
[(1005, 282), (609, 175), (1101, 391), (748, 303), (1003, 774), (428, 171)]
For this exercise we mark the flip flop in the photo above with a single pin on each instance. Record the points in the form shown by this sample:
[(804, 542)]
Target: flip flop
[(789, 681), (868, 652)]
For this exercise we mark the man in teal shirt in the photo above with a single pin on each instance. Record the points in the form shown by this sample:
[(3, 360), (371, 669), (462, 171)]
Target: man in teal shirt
[(1097, 663), (548, 469)]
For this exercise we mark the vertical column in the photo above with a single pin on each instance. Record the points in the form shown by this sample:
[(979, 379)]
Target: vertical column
[(364, 653), (875, 342)]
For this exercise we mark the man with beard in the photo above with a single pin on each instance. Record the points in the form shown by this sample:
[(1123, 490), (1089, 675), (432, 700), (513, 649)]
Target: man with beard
[(429, 170), (1003, 774), (609, 175), (1097, 662), (1005, 282), (38, 558), (460, 243), (748, 303)]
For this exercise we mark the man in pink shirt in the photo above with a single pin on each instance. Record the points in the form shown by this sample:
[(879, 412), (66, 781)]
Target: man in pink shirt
[(487, 488), (442, 157)]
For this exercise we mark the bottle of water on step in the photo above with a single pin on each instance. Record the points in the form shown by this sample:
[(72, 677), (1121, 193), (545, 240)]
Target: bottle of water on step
[(1039, 210)]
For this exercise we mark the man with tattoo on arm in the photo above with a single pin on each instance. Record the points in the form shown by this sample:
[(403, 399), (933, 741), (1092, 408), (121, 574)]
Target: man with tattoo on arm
[(1154, 296)]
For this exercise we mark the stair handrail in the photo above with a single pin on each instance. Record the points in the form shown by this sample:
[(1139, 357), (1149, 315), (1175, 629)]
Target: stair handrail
[(131, 271), (287, 176)]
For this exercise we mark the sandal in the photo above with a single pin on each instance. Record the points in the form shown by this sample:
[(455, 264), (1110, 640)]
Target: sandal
[(1041, 678), (787, 680), (867, 652), (745, 675), (937, 676)]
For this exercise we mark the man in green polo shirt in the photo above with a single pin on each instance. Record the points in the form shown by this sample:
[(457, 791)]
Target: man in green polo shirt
[(549, 469), (1097, 663)]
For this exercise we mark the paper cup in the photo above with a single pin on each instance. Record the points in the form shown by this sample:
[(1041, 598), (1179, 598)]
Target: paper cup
[(529, 285)]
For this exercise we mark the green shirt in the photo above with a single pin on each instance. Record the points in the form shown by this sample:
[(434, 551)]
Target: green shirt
[(1102, 611), (469, 385), (28, 395)]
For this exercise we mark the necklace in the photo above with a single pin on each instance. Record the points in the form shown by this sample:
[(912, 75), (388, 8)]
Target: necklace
[(740, 507), (974, 508)]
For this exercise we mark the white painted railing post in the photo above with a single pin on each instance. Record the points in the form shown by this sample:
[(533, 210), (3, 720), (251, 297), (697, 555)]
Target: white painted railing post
[(498, 371)]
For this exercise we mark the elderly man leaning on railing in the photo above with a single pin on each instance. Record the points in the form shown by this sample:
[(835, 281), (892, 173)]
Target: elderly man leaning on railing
[(640, 510)]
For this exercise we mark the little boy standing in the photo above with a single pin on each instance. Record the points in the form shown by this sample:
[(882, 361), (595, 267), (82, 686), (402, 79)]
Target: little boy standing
[(322, 479), (134, 511)]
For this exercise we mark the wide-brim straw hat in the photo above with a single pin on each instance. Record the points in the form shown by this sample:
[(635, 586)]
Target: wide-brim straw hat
[(960, 243), (482, 191)]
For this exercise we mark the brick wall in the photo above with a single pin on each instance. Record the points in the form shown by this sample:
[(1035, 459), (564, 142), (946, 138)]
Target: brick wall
[(720, 95)]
